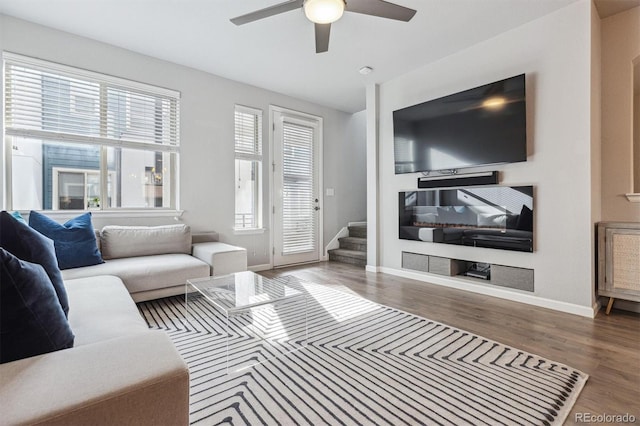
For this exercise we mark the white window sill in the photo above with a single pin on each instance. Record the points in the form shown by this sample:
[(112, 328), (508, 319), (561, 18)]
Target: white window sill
[(634, 198), (248, 231), (119, 213)]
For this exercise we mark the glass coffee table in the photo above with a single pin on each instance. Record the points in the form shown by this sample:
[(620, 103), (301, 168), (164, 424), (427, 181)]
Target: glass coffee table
[(261, 315)]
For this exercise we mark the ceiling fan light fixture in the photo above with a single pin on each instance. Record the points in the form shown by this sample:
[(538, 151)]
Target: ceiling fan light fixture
[(323, 11)]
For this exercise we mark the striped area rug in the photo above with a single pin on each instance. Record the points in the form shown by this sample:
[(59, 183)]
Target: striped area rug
[(364, 364)]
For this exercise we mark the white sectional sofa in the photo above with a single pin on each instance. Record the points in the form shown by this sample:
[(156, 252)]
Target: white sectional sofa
[(155, 262), (119, 372)]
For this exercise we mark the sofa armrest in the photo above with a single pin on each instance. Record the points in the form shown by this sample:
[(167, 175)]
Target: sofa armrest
[(222, 258), (138, 379)]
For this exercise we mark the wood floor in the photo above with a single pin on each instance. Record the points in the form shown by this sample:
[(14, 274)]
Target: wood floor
[(607, 347)]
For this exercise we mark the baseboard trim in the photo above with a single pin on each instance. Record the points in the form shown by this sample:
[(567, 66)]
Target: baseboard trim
[(258, 268), (374, 269), (513, 295), (596, 307)]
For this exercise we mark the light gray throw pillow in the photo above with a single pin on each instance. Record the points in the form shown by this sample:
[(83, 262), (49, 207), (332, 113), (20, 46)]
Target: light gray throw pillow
[(130, 241)]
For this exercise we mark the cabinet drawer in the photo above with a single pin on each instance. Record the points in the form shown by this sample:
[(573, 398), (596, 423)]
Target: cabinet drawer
[(446, 266), (414, 261)]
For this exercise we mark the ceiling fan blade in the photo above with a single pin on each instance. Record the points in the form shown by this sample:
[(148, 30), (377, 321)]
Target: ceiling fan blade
[(380, 8), (322, 37), (267, 12)]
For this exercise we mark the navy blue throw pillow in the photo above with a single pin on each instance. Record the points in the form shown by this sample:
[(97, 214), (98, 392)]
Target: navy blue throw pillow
[(29, 245), (31, 319), (75, 241)]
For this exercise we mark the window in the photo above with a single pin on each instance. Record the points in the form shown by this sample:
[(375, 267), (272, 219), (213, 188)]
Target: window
[(75, 189), (248, 168), (82, 140)]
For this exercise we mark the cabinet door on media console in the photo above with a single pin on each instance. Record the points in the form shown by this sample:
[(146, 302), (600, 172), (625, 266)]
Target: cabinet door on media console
[(619, 261)]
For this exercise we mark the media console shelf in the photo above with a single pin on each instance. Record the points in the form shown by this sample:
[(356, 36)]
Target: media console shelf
[(499, 275)]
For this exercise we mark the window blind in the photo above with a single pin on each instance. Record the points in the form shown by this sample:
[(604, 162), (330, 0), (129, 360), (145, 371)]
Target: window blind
[(248, 131), (50, 101), (299, 221)]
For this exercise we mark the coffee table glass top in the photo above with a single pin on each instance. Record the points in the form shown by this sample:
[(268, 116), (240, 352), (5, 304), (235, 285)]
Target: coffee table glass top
[(244, 290), (258, 313)]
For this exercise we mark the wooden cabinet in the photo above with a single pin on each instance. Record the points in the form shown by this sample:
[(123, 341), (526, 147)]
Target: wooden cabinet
[(619, 261)]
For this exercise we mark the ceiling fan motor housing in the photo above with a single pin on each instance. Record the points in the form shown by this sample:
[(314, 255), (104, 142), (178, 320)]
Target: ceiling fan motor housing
[(324, 11)]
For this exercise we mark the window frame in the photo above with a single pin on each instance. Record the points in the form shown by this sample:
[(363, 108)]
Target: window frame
[(55, 190), (106, 82), (255, 157)]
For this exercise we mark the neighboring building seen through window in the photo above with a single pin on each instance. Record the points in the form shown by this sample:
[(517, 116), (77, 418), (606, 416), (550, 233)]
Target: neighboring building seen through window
[(83, 141), (248, 168)]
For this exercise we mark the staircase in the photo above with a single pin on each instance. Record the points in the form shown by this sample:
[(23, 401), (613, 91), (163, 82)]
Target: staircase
[(353, 249)]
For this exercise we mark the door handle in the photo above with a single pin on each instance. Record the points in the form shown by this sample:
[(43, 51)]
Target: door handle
[(316, 208)]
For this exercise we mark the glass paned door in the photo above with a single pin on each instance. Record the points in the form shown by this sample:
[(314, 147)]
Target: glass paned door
[(296, 188)]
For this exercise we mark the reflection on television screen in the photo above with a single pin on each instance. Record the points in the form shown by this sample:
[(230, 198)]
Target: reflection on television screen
[(497, 217)]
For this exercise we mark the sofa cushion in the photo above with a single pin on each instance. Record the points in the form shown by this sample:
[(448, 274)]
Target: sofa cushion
[(129, 241), (146, 273), (32, 321), (134, 380), (102, 309), (75, 240), (29, 245)]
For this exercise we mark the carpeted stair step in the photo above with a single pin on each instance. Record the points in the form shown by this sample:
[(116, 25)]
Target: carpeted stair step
[(353, 257), (353, 243), (358, 231)]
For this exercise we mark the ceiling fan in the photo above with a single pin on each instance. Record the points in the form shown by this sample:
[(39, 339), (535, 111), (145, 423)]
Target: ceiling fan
[(324, 12)]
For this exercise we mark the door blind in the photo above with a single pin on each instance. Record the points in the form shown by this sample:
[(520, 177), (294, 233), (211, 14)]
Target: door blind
[(299, 217)]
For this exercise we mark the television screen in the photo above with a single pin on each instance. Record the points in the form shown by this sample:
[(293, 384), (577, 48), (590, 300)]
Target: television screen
[(481, 126), (499, 217)]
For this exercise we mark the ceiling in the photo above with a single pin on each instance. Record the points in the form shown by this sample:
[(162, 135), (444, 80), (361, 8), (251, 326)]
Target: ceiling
[(278, 53)]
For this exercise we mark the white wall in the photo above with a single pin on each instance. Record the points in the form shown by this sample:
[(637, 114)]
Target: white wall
[(555, 53), (596, 129), (620, 46), (207, 150), (350, 197)]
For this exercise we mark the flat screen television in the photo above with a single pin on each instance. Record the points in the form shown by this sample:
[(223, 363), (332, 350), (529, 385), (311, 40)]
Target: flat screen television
[(481, 126)]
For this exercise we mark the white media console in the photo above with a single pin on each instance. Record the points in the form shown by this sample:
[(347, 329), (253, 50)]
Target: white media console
[(498, 275)]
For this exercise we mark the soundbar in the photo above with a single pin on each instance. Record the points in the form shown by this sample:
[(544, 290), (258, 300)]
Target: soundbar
[(488, 178)]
